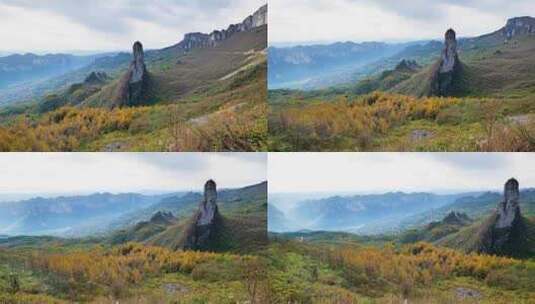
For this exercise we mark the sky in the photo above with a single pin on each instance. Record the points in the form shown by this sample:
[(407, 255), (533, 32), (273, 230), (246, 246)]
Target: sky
[(126, 172), (111, 25), (307, 21), (389, 172)]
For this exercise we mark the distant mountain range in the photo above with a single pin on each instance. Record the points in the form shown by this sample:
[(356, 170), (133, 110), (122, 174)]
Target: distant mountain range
[(303, 67), (70, 215), (385, 213), (102, 213), (196, 59)]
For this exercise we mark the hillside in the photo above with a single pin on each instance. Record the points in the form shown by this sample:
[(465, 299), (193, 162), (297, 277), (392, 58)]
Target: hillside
[(70, 215), (205, 93), (240, 226), (151, 261), (467, 94), (505, 232), (363, 214), (321, 66), (18, 68)]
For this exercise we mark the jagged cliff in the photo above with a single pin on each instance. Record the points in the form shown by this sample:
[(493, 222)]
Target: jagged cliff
[(518, 26), (202, 40)]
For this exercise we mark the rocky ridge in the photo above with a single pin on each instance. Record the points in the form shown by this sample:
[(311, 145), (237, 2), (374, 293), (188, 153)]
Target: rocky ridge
[(203, 40), (518, 26)]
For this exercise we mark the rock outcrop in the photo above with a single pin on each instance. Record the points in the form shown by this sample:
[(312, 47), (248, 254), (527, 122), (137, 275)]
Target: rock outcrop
[(96, 78), (519, 26), (447, 70), (204, 226), (407, 65), (456, 218), (203, 40), (133, 86), (163, 218), (509, 210), (504, 232)]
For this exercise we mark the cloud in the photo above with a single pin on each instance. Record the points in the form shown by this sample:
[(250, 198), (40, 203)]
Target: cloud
[(385, 172), (117, 22), (388, 20), (126, 172)]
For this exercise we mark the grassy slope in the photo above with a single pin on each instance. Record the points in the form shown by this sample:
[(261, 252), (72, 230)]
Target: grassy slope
[(243, 227), (491, 71), (214, 97), (358, 273)]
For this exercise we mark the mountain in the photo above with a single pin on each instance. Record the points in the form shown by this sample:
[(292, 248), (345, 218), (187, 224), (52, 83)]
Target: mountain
[(389, 78), (277, 221), (69, 215), (28, 67), (317, 66), (475, 206), (206, 92), (434, 231), (486, 60), (225, 220), (364, 214), (505, 232), (182, 67)]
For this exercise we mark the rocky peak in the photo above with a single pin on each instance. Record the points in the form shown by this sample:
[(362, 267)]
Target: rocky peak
[(203, 40), (449, 53), (447, 70), (138, 63), (208, 207), (96, 78), (456, 218), (509, 209), (132, 87), (407, 64), (505, 232), (519, 26), (205, 223), (162, 217)]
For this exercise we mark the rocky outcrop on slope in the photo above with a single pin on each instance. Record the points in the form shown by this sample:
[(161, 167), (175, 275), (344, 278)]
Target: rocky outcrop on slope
[(203, 40), (519, 26), (407, 65), (205, 222), (96, 78), (447, 71), (163, 218), (456, 218), (133, 86), (504, 231)]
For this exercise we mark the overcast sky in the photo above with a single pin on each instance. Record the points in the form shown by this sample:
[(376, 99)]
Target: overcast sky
[(387, 20), (386, 172), (126, 172), (64, 25)]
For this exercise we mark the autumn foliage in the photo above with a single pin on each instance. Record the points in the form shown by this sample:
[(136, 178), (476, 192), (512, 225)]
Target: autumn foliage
[(322, 125)]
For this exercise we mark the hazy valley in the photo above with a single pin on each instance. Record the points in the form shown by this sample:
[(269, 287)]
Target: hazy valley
[(463, 94)]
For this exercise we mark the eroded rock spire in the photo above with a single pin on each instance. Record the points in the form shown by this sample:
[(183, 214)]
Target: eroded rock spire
[(448, 67), (508, 209), (131, 90), (205, 223)]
